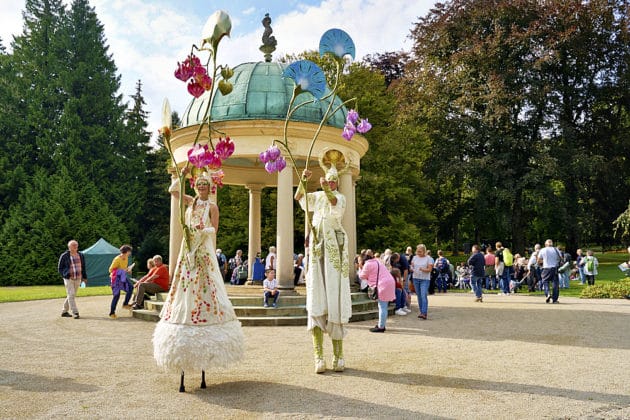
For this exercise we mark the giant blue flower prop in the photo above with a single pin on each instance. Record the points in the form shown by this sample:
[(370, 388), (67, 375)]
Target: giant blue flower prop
[(337, 42), (308, 77)]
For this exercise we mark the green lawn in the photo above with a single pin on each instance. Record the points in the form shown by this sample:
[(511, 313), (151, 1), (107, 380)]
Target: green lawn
[(22, 293), (610, 282)]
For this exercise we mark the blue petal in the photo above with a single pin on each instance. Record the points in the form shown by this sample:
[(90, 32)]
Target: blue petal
[(337, 42), (308, 76)]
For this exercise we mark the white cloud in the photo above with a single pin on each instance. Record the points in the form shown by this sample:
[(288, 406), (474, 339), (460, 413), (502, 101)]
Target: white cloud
[(148, 38), (10, 20)]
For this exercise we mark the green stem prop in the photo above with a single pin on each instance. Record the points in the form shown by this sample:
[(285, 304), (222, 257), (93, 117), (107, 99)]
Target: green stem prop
[(327, 115), (181, 174)]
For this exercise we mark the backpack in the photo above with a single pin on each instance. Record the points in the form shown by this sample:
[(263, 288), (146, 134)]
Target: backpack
[(508, 258), (590, 264), (442, 266)]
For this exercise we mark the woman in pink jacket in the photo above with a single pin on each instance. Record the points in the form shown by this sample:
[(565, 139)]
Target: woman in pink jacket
[(371, 270)]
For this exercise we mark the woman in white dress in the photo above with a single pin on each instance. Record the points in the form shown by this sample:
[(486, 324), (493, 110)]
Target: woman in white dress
[(198, 328)]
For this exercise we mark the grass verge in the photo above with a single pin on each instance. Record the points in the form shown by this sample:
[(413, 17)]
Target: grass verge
[(22, 293)]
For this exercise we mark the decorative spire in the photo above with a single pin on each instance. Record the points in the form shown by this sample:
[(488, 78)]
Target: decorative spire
[(269, 42)]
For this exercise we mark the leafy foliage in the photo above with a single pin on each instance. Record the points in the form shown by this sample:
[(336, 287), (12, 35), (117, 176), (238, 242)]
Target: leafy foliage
[(511, 97), (51, 210), (616, 290)]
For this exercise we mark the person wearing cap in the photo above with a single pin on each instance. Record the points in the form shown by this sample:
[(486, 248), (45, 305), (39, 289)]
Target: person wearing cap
[(327, 276)]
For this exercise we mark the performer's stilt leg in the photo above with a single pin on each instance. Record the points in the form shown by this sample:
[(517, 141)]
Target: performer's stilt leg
[(338, 362), (318, 349), (203, 379), (181, 383)]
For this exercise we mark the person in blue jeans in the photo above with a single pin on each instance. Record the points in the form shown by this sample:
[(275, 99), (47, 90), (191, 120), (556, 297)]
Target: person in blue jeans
[(478, 265), (549, 257), (401, 295), (421, 267)]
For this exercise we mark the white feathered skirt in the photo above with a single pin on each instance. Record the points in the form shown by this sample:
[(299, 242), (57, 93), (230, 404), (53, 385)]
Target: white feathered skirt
[(182, 347)]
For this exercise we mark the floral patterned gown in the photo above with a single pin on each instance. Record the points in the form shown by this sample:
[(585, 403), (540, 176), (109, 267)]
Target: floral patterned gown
[(198, 329)]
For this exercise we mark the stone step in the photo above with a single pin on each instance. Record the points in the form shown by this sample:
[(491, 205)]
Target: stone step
[(252, 321), (247, 302)]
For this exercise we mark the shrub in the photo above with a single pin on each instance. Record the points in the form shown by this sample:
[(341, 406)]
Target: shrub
[(610, 290)]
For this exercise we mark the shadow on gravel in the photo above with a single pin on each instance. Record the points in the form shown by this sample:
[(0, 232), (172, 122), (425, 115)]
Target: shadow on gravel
[(486, 322), (36, 383), (476, 384), (281, 399)]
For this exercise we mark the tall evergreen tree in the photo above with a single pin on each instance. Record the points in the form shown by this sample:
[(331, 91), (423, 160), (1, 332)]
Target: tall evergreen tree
[(39, 63), (96, 145), (156, 209), (135, 145), (51, 210), (13, 170)]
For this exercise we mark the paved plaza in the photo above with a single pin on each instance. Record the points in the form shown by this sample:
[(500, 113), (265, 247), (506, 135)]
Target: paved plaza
[(510, 357)]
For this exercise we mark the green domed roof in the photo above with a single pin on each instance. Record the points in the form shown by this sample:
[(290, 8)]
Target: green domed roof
[(260, 92)]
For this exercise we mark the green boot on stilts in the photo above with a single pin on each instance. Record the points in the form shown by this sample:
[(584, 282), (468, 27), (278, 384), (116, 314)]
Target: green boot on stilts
[(318, 348), (338, 362)]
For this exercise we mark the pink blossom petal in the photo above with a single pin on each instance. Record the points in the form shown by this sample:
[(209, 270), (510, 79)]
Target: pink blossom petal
[(213, 160), (224, 148), (205, 81), (197, 155), (195, 89)]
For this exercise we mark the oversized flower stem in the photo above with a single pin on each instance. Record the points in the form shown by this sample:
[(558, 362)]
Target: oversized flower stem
[(330, 111), (181, 174)]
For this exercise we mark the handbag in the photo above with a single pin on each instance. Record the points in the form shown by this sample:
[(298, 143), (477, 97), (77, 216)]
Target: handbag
[(372, 292)]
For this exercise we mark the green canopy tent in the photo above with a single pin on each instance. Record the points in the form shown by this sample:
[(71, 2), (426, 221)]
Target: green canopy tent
[(98, 258)]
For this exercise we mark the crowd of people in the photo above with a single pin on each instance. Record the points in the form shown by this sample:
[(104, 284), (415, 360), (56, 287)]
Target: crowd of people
[(546, 269), (198, 328)]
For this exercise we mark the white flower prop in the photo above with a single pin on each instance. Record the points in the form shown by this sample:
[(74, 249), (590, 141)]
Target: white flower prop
[(218, 25)]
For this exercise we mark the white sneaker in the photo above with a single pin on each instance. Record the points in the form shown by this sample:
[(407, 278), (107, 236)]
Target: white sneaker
[(408, 310), (401, 312), (320, 366), (339, 365)]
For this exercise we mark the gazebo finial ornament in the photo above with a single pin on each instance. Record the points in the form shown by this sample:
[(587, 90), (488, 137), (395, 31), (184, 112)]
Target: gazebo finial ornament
[(269, 42)]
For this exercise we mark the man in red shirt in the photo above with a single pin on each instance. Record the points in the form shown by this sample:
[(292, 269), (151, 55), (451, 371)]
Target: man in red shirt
[(156, 281)]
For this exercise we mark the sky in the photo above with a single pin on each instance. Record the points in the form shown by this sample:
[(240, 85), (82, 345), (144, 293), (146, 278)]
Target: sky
[(147, 38)]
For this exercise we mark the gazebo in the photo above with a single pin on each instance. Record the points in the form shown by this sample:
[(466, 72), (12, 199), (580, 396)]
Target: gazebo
[(253, 116)]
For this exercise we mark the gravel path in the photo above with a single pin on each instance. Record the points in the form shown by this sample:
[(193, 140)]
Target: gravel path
[(506, 358)]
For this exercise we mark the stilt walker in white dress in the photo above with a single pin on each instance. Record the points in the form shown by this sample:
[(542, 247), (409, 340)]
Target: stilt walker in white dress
[(328, 299), (198, 329)]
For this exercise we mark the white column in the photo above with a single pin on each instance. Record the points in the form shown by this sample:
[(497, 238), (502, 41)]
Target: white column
[(349, 222), (284, 229), (254, 225)]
